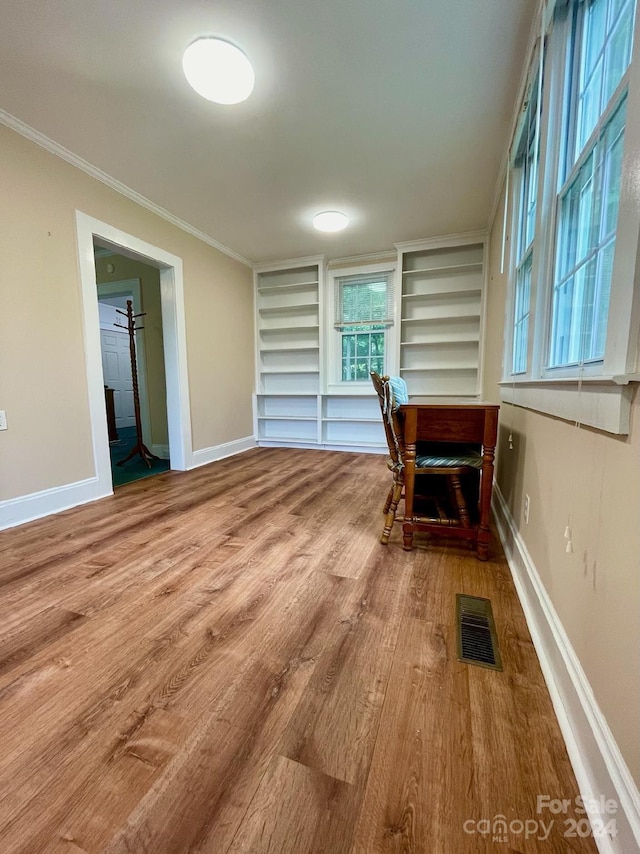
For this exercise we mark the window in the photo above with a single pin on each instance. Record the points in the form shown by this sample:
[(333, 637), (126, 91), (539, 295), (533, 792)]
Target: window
[(363, 311), (526, 174), (589, 196), (586, 243), (573, 316)]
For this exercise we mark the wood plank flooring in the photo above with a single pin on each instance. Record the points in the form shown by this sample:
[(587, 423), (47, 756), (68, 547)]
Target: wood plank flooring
[(227, 660)]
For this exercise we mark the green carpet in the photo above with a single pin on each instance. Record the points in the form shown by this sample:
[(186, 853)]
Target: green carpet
[(136, 468)]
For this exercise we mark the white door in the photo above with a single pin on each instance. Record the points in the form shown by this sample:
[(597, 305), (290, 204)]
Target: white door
[(116, 368)]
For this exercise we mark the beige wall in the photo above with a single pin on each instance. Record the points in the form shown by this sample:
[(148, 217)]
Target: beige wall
[(150, 336), (43, 385), (591, 479)]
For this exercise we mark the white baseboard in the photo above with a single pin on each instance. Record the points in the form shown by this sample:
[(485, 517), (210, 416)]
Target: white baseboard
[(219, 452), (597, 762), (26, 508)]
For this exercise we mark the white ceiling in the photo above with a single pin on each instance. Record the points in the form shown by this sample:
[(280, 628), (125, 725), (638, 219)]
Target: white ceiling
[(395, 111)]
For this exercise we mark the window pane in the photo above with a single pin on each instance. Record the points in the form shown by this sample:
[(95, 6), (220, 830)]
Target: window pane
[(363, 301), (601, 303), (593, 36), (587, 221), (526, 187), (576, 215), (618, 51), (589, 108), (613, 171), (601, 59), (561, 334), (585, 210), (521, 316), (362, 352), (584, 311), (617, 5)]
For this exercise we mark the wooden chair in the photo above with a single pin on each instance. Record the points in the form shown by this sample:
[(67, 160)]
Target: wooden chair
[(449, 464)]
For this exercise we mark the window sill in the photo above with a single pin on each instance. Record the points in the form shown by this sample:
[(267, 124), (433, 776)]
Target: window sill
[(600, 402)]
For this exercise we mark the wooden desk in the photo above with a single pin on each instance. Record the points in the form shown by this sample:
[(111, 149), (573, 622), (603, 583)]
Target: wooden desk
[(432, 419)]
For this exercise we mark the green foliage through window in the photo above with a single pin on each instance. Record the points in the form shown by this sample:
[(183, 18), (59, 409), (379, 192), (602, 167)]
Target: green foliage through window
[(362, 352), (363, 314)]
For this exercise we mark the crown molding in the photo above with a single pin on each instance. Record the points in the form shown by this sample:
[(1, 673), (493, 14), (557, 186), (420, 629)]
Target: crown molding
[(445, 240), (63, 153), (369, 258), (272, 266)]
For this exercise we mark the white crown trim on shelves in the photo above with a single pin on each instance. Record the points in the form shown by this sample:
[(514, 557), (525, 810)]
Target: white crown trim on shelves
[(446, 241)]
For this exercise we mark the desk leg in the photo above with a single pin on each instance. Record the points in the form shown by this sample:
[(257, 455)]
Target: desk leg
[(409, 484), (484, 534)]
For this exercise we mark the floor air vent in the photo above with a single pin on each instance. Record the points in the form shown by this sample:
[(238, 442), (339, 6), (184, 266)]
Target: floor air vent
[(477, 641)]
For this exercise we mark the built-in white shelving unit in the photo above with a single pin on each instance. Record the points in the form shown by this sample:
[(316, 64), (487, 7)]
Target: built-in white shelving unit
[(441, 312), (352, 421), (439, 318), (287, 297)]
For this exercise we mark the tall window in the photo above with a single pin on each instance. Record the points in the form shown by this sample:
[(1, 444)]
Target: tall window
[(364, 312), (587, 206), (526, 173)]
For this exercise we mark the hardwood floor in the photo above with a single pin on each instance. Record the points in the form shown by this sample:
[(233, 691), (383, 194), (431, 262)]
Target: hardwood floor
[(227, 660)]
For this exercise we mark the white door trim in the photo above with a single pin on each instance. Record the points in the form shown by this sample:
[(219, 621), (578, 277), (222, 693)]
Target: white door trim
[(175, 342)]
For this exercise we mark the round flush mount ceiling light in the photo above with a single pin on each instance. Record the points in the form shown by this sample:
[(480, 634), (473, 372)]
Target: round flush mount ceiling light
[(218, 70), (330, 221)]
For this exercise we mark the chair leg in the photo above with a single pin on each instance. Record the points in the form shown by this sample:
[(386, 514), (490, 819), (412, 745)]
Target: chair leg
[(460, 502), (396, 494), (387, 503)]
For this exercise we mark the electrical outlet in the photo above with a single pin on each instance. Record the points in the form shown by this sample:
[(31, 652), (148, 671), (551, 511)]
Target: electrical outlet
[(527, 504), (3, 420)]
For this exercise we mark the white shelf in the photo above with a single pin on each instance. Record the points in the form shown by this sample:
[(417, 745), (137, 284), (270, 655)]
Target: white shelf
[(440, 369), (441, 317), (288, 309), (287, 417), (442, 300), (468, 339), (269, 289), (449, 268), (293, 371), (443, 293), (288, 350), (292, 349), (346, 419), (310, 395), (291, 328)]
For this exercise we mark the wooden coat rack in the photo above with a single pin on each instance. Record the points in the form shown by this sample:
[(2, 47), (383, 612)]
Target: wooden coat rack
[(139, 448)]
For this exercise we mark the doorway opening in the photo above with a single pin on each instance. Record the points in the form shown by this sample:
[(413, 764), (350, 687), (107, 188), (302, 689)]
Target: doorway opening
[(166, 382), (120, 280)]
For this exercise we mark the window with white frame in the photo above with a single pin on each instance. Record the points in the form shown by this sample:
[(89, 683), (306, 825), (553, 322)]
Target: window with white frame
[(363, 315), (526, 175), (574, 302), (587, 206)]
